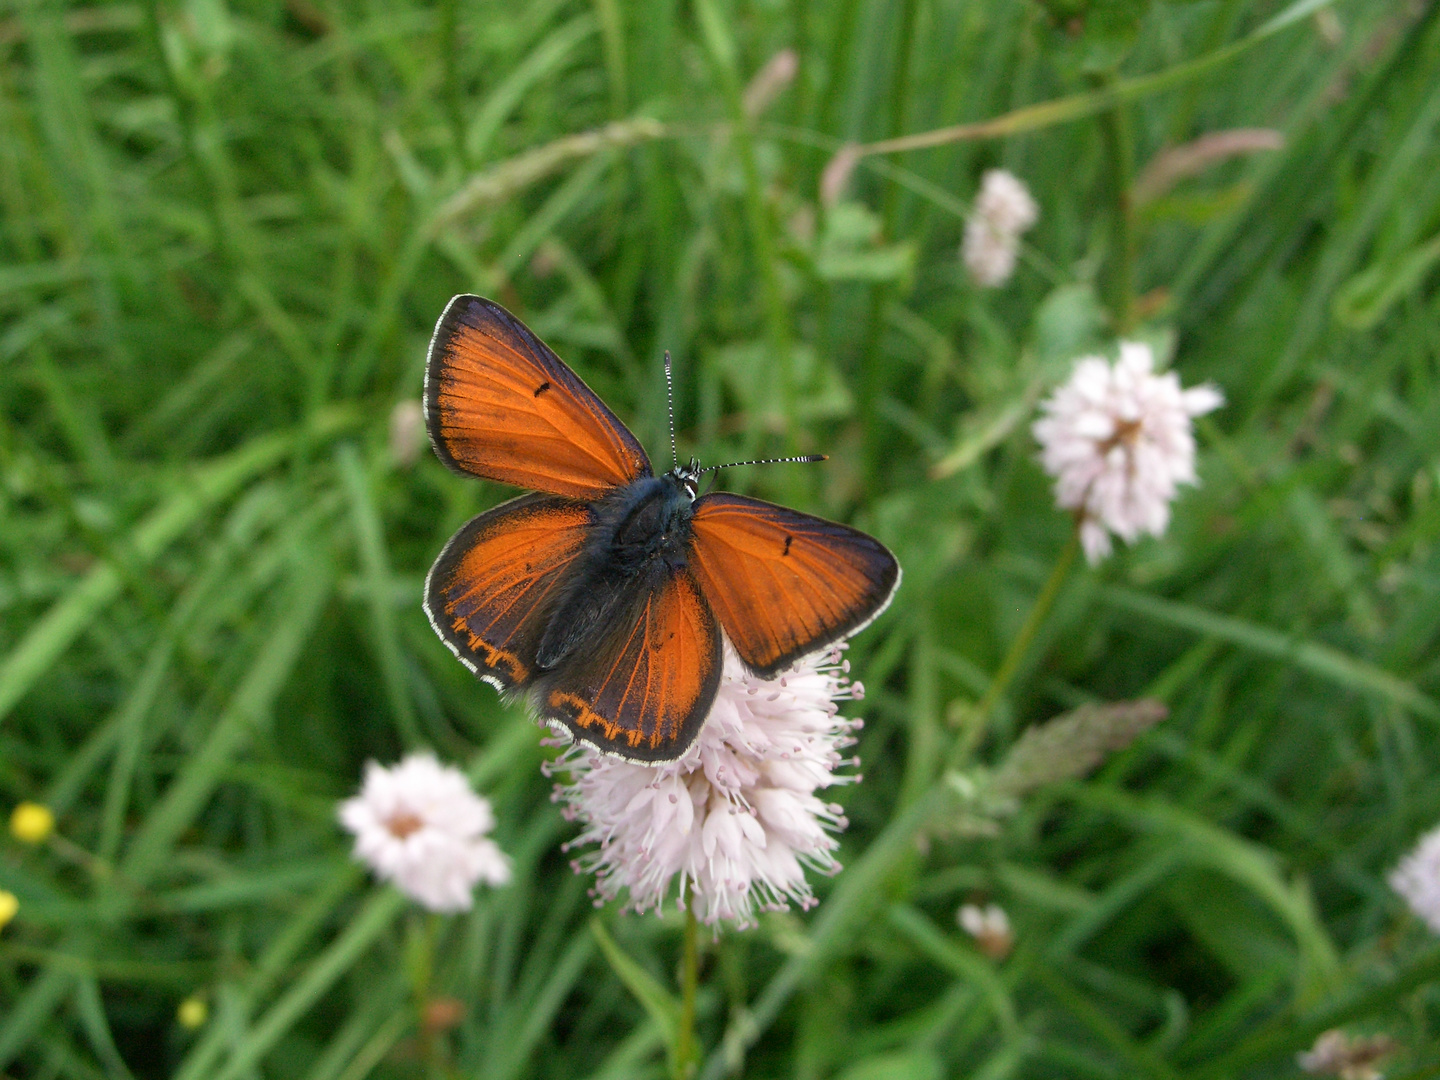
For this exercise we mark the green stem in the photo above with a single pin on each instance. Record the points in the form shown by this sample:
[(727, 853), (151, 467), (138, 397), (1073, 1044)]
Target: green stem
[(1115, 130), (872, 364), (685, 1056), (449, 46), (975, 720), (721, 45), (424, 932)]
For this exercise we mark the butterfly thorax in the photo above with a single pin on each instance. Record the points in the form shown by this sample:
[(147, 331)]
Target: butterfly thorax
[(646, 519), (641, 530)]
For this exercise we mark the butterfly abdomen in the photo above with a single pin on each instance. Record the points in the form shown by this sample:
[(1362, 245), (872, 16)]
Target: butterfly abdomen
[(640, 533)]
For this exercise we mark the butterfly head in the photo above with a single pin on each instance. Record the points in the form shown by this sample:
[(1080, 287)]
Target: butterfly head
[(687, 476)]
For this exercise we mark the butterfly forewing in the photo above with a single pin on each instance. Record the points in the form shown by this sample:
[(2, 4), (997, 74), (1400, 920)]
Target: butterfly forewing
[(499, 404), (646, 687), (784, 584), (490, 592)]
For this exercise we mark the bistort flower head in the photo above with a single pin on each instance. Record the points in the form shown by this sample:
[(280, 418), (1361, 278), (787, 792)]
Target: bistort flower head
[(1417, 879), (989, 926), (1337, 1054), (1003, 210), (419, 825), (736, 819), (1118, 440)]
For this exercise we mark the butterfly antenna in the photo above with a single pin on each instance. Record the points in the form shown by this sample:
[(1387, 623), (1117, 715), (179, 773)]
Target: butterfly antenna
[(670, 407), (804, 459)]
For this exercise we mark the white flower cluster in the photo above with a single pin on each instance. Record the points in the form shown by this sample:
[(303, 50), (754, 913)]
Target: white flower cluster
[(1003, 210), (989, 926), (1417, 879), (1337, 1054), (736, 819), (1117, 438), (419, 825)]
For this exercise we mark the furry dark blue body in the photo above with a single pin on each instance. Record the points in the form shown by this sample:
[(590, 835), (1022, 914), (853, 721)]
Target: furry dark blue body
[(641, 535)]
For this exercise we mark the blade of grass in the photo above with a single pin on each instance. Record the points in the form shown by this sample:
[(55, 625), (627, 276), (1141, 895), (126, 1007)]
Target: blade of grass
[(857, 890), (52, 634), (1078, 106), (36, 1005), (1202, 843), (1141, 1059), (249, 708), (379, 587), (1321, 660), (965, 964), (1288, 1032), (546, 58), (387, 1008), (358, 937), (539, 1012), (279, 953), (97, 1028), (374, 1051), (659, 1004)]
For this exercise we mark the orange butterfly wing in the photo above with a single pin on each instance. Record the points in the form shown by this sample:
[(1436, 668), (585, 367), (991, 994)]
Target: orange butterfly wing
[(784, 584), (647, 689), (490, 592), (500, 404)]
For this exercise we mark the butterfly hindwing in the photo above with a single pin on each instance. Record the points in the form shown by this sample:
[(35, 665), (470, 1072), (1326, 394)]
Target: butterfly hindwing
[(501, 405), (642, 688), (784, 584), (490, 593)]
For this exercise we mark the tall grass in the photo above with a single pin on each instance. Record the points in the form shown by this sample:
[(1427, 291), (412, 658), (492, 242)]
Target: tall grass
[(227, 230)]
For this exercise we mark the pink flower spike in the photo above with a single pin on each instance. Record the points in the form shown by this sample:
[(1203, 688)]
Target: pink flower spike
[(419, 825), (1118, 440), (735, 822), (1417, 879), (1003, 210)]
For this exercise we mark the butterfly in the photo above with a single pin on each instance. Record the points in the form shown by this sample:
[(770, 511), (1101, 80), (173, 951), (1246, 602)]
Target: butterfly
[(603, 594)]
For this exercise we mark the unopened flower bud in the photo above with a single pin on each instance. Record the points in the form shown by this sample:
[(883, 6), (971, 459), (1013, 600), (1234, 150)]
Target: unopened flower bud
[(407, 433), (990, 927), (193, 1012), (31, 823)]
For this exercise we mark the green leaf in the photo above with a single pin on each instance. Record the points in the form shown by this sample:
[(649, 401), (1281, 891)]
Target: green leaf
[(750, 373), (907, 1065), (1322, 660), (965, 963), (850, 248), (1366, 298), (1204, 844), (661, 1006)]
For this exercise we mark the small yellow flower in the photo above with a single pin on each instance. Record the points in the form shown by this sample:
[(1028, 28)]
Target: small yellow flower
[(193, 1012), (9, 905), (31, 823)]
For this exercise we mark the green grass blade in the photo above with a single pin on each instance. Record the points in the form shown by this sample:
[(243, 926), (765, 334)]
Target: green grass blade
[(379, 587), (248, 710), (358, 937), (43, 644), (1320, 660)]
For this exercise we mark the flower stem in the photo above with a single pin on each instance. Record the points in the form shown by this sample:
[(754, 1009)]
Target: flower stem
[(1115, 130), (974, 720), (685, 1056)]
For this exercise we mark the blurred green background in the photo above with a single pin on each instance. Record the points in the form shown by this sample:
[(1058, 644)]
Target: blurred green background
[(228, 228)]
